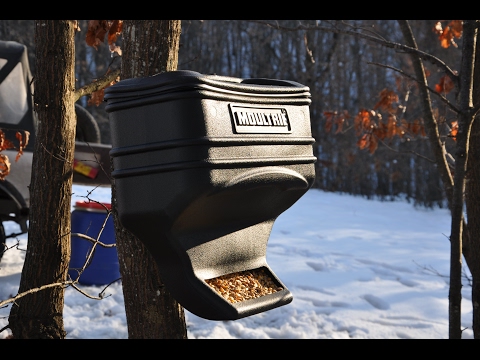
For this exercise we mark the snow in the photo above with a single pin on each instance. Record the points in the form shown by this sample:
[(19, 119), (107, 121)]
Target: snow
[(357, 269)]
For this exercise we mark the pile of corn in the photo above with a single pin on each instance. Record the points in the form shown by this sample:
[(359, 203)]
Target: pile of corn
[(245, 285)]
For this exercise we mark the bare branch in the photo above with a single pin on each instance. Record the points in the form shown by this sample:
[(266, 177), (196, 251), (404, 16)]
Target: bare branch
[(60, 158), (431, 270), (34, 290), (93, 241), (443, 98), (376, 39), (14, 246), (70, 282), (98, 161), (92, 250), (476, 110), (100, 295), (407, 152), (99, 84)]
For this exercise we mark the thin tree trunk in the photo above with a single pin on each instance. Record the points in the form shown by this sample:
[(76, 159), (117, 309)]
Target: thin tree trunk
[(472, 194), (40, 314), (149, 47), (465, 122), (455, 187), (431, 125)]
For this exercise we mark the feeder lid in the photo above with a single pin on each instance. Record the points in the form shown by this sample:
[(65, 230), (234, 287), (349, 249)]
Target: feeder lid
[(187, 80), (91, 205), (186, 83)]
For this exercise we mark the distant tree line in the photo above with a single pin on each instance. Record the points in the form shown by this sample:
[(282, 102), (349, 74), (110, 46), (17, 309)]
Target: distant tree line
[(339, 71)]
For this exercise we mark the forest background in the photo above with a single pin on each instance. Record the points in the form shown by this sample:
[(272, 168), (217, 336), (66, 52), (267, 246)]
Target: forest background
[(346, 75)]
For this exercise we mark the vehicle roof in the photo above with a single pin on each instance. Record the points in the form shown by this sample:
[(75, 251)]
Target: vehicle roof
[(14, 53)]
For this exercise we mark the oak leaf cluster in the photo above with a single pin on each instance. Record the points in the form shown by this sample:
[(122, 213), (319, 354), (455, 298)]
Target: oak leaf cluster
[(6, 144), (99, 32), (369, 125)]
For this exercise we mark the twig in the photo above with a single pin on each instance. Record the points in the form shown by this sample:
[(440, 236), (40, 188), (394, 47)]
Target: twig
[(376, 39), (406, 152), (71, 282), (98, 161), (93, 241), (92, 250), (445, 100), (106, 286), (100, 295), (6, 248), (34, 290), (55, 156), (99, 84), (435, 272)]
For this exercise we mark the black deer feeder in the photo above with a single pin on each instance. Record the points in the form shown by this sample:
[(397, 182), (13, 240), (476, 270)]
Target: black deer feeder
[(203, 166)]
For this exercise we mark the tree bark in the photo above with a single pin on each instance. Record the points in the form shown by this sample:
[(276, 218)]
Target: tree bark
[(454, 187), (431, 124), (149, 47), (465, 121), (40, 314), (472, 194)]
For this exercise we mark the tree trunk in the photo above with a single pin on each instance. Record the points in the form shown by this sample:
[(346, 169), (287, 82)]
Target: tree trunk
[(454, 188), (40, 314), (465, 121), (472, 194), (149, 47)]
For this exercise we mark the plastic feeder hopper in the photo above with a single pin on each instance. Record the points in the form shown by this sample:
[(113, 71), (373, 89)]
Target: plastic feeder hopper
[(203, 165)]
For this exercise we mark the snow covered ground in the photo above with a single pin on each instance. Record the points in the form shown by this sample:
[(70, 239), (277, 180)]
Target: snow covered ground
[(357, 268)]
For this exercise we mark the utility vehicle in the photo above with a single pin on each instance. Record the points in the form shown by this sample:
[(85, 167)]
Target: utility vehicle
[(92, 162)]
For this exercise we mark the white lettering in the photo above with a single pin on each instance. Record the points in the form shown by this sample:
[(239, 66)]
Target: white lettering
[(251, 118), (246, 118), (265, 119), (275, 119), (242, 118)]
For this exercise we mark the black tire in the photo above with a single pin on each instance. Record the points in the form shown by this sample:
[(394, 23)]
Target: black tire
[(14, 203), (87, 127), (3, 240)]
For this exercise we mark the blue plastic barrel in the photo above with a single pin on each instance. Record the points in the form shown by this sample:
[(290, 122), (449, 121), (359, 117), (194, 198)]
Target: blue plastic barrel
[(88, 218)]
